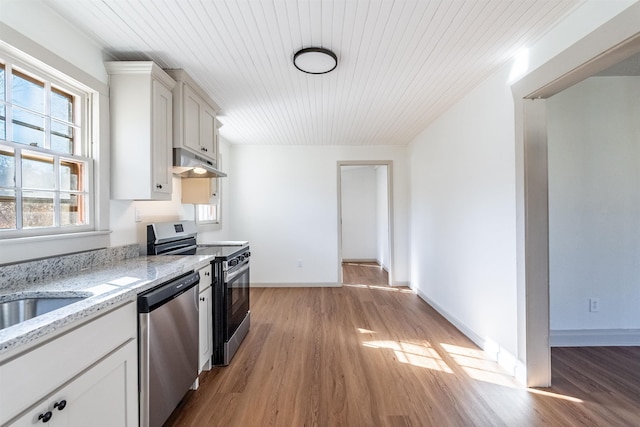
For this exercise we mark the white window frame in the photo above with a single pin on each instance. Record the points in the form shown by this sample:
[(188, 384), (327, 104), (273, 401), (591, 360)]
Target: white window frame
[(81, 113), (36, 59)]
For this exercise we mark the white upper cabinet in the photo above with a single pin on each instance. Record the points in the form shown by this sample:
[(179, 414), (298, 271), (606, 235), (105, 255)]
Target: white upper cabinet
[(141, 109), (194, 118)]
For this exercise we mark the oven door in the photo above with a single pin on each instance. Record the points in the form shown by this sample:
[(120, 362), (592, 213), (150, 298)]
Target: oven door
[(236, 287)]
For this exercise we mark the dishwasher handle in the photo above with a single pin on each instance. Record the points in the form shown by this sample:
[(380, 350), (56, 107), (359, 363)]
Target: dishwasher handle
[(150, 300)]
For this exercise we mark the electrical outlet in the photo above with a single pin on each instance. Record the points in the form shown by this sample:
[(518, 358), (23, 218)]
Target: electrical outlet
[(594, 305), (137, 216), (299, 263)]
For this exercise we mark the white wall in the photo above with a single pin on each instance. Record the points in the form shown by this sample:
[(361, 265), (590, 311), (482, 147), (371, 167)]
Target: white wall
[(594, 204), (382, 217), (359, 213), (285, 202), (463, 213)]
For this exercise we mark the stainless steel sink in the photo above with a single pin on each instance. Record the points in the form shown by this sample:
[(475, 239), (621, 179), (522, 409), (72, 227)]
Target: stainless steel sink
[(16, 311)]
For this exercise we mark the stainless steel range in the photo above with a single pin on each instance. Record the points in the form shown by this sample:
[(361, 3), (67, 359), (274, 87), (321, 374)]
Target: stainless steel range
[(231, 314), (231, 283)]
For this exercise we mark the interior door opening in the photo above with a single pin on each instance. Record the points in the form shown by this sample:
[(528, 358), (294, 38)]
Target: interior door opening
[(575, 64), (365, 222)]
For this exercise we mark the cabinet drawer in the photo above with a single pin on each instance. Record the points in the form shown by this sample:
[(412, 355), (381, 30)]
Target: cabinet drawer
[(29, 377)]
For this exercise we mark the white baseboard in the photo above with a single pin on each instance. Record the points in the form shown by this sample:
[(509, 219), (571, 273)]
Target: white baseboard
[(400, 283), (493, 350), (308, 284), (363, 260), (296, 285), (594, 337)]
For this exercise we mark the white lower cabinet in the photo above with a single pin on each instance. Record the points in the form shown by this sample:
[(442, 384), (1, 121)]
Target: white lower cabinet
[(86, 376), (100, 396), (206, 319)]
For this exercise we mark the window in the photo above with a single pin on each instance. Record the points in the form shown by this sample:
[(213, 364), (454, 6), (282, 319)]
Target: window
[(45, 169), (207, 214)]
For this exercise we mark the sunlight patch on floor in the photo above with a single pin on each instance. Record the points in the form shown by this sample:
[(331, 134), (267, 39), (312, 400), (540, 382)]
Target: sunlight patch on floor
[(422, 356), (554, 395), (475, 364), (380, 288), (368, 265), (490, 376)]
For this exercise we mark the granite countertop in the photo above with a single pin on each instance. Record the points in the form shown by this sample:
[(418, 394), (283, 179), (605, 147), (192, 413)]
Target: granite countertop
[(103, 287)]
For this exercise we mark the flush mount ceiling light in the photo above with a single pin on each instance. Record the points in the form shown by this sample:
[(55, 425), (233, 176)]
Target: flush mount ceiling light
[(315, 60)]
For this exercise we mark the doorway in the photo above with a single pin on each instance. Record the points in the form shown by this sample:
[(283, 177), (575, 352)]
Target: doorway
[(609, 44), (365, 221)]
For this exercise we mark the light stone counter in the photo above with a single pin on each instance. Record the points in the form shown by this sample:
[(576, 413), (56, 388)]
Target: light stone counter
[(104, 286)]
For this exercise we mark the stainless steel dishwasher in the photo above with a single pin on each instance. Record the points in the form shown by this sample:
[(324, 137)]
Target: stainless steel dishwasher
[(168, 346)]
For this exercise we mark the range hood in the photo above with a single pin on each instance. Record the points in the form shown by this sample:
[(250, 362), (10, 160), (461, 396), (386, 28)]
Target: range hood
[(189, 165)]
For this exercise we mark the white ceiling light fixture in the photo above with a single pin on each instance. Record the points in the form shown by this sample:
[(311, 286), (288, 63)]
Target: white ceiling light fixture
[(315, 60)]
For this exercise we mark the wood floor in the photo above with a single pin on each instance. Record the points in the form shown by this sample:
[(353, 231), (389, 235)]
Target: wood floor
[(372, 355), (354, 273)]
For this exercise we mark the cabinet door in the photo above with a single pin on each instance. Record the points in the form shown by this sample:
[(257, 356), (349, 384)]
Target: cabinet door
[(192, 116), (104, 395), (206, 337), (205, 311), (161, 140), (209, 132)]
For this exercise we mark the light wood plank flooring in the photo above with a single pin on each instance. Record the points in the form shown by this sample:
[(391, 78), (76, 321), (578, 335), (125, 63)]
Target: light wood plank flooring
[(378, 356), (364, 273)]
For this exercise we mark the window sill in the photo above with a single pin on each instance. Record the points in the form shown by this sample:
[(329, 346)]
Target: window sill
[(209, 226), (21, 249)]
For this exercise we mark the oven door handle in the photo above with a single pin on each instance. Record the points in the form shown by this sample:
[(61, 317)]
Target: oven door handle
[(179, 250), (230, 275)]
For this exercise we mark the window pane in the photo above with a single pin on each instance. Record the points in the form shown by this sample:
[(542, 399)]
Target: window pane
[(28, 128), (64, 145), (27, 92), (72, 209), (61, 105), (71, 175), (7, 209), (37, 171), (61, 137), (7, 168), (37, 209), (207, 213)]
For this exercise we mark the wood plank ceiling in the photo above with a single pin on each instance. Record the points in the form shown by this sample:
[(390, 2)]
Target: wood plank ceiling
[(401, 63)]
